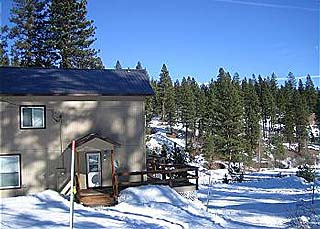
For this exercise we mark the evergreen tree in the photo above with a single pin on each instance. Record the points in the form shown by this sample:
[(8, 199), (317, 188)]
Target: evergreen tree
[(278, 151), (30, 33), (251, 116), (267, 104), (156, 103), (118, 65), (301, 120), (201, 108), (188, 109), (196, 96), (289, 111), (148, 109), (317, 110), (273, 109), (210, 114), (209, 148), (72, 35), (167, 96), (311, 94), (178, 99), (4, 58), (139, 66), (228, 136)]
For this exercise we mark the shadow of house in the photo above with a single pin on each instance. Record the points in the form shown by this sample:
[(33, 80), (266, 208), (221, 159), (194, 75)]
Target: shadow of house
[(72, 104)]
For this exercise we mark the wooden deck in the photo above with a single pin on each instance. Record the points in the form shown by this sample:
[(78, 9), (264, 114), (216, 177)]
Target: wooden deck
[(177, 177)]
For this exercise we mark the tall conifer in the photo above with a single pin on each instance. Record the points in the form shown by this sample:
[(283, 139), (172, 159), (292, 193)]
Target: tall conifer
[(73, 35), (167, 97), (4, 58), (252, 117), (228, 135), (30, 33)]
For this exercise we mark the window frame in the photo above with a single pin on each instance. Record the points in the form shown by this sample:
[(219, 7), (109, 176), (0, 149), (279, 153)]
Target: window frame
[(20, 175), (31, 127)]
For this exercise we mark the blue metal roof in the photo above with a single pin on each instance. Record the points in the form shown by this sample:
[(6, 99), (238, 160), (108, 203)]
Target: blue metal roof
[(56, 81)]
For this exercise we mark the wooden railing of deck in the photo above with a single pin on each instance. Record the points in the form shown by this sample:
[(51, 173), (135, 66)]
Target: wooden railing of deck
[(170, 174)]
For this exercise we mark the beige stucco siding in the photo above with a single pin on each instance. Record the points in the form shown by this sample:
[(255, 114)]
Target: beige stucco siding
[(120, 119)]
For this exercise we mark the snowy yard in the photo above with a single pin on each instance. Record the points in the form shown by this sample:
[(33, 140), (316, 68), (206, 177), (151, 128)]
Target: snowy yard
[(270, 199), (268, 203)]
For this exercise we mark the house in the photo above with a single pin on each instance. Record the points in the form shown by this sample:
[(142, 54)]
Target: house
[(43, 110)]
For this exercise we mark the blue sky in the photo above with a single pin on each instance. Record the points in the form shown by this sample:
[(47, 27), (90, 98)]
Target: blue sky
[(197, 37)]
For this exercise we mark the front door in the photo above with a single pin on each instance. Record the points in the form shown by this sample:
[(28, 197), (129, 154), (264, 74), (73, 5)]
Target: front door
[(93, 170)]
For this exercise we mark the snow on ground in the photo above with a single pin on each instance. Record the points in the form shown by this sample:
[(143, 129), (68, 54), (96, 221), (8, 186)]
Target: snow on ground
[(140, 207), (266, 203), (160, 137)]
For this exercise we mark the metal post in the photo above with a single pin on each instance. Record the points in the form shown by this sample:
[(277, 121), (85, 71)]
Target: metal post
[(72, 183), (208, 193)]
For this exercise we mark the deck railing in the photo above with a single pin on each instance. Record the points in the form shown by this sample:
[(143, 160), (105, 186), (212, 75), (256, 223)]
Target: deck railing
[(165, 174)]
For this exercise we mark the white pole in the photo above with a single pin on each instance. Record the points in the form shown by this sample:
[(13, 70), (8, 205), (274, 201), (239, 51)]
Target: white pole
[(208, 193), (72, 183)]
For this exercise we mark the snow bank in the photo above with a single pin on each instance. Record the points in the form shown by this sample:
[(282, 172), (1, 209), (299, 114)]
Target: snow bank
[(152, 193), (142, 207)]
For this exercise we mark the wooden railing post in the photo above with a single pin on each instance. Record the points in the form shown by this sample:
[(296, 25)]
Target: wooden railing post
[(170, 179), (197, 178)]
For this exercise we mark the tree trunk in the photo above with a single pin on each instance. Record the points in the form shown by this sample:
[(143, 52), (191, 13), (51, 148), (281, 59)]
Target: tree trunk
[(186, 137)]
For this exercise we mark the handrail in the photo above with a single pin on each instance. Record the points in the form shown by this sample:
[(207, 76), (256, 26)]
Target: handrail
[(166, 172)]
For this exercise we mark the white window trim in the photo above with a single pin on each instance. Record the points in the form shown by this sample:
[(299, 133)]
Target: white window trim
[(19, 171), (33, 127)]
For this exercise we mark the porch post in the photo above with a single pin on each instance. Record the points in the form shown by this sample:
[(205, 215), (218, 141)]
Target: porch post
[(113, 173), (73, 149)]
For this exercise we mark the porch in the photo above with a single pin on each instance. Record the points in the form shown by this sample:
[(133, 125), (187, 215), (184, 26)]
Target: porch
[(178, 177), (98, 182)]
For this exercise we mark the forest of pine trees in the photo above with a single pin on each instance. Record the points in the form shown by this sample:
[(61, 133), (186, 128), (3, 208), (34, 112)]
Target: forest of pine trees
[(236, 120), (49, 33), (225, 119)]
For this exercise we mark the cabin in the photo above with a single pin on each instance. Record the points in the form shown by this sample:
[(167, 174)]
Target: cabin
[(43, 110)]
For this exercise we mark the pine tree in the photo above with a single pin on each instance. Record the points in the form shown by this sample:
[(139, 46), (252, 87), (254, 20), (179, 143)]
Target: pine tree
[(188, 109), (289, 111), (251, 116), (278, 151), (228, 136), (311, 94), (301, 115), (178, 99), (72, 35), (317, 110), (4, 58), (273, 109), (196, 96), (156, 103), (139, 66), (30, 33), (118, 65), (201, 108), (210, 115), (167, 96), (266, 102)]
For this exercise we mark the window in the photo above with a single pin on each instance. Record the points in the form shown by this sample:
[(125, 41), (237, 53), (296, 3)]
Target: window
[(32, 117), (10, 171)]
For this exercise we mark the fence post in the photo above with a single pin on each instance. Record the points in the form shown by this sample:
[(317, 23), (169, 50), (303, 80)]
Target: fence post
[(197, 179)]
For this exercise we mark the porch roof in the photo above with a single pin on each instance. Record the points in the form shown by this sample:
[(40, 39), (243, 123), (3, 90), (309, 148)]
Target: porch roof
[(94, 142)]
